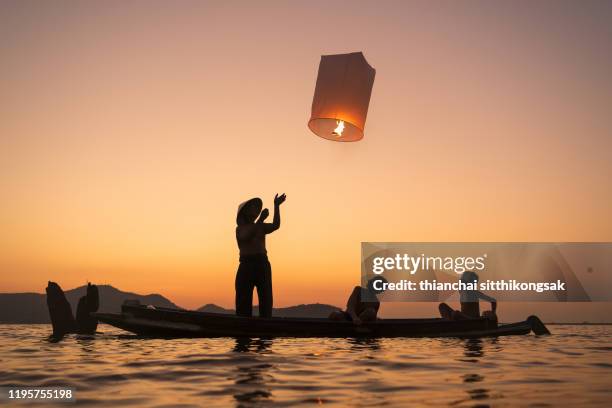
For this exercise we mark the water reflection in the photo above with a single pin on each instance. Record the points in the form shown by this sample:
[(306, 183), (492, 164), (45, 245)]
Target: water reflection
[(253, 375), (86, 343), (473, 351), (55, 339), (248, 344), (364, 343)]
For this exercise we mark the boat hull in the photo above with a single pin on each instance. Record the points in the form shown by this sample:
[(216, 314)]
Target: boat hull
[(160, 322)]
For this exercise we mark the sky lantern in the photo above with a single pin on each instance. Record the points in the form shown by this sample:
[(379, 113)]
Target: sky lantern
[(342, 96)]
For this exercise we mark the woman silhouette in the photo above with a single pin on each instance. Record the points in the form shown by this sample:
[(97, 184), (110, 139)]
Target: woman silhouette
[(254, 269)]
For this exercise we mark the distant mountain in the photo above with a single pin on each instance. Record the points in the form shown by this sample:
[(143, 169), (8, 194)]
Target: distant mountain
[(211, 308), (32, 307), (23, 308), (310, 310)]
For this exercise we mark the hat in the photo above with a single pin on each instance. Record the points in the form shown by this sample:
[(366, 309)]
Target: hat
[(253, 201)]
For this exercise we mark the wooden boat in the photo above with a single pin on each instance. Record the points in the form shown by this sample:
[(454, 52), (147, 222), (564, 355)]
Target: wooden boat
[(162, 322)]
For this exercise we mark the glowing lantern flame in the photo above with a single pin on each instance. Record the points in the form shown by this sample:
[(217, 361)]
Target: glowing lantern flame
[(339, 129)]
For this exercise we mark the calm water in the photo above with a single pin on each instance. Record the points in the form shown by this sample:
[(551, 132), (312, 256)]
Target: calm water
[(571, 367)]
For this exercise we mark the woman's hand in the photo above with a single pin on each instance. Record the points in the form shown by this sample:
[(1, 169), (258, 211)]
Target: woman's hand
[(264, 214), (279, 199)]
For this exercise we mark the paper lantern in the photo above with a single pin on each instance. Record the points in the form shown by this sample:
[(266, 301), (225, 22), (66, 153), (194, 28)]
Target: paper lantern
[(342, 96)]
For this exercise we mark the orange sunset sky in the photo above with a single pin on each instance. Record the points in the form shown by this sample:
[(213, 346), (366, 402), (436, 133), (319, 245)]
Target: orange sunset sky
[(130, 132)]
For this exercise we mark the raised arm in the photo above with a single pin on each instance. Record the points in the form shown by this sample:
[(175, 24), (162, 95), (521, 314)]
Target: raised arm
[(276, 220), (262, 217), (488, 298)]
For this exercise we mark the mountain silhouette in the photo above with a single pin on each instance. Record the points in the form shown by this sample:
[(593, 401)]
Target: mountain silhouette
[(309, 310), (32, 307)]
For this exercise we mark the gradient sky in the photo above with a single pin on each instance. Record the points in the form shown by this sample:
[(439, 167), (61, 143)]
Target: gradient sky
[(130, 131)]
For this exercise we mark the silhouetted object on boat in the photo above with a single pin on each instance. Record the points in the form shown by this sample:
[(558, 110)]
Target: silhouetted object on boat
[(162, 322), (362, 305), (86, 323), (60, 311), (537, 325), (470, 307), (342, 96), (254, 270)]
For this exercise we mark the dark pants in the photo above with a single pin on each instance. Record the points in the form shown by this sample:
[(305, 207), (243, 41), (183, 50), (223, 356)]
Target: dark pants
[(254, 271)]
